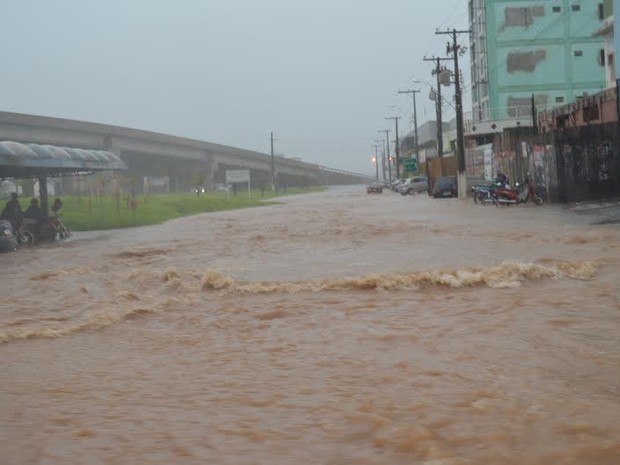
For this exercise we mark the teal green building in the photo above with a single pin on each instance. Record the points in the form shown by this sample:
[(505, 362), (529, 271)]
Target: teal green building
[(545, 48)]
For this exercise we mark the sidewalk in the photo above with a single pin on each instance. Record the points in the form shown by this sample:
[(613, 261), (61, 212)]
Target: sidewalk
[(598, 212)]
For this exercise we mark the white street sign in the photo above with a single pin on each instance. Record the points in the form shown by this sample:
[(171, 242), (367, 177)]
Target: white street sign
[(237, 176)]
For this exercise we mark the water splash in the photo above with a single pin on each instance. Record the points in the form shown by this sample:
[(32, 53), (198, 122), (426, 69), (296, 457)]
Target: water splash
[(93, 322), (145, 285), (505, 275)]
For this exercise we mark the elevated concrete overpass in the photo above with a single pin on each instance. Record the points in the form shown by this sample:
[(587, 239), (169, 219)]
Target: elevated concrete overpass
[(154, 154)]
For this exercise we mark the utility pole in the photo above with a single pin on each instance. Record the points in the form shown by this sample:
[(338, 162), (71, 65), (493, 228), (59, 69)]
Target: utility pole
[(456, 50), (387, 141), (415, 122), (397, 148), (376, 146), (437, 73), (273, 167), (382, 157), (534, 114)]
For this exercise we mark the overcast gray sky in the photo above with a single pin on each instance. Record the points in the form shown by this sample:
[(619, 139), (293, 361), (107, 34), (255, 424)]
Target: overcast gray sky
[(321, 74)]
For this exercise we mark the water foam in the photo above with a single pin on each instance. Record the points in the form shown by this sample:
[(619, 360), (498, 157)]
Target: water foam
[(93, 322), (505, 275)]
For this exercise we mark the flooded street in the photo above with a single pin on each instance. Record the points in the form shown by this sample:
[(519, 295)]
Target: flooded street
[(334, 328)]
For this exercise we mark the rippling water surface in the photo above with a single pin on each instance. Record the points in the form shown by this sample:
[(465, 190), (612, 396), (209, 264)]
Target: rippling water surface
[(335, 328)]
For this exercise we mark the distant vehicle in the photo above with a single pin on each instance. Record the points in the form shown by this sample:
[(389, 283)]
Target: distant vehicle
[(445, 187), (413, 185), (221, 188), (374, 188)]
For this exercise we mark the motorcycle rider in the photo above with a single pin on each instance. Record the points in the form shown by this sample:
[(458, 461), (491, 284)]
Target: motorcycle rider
[(501, 179), (13, 211)]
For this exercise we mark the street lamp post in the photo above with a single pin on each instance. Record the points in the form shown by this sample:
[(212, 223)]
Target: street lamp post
[(415, 121), (439, 137), (376, 162), (382, 142), (397, 147), (437, 72), (387, 143)]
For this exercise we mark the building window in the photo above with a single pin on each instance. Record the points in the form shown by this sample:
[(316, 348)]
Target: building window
[(578, 53), (559, 100), (601, 11), (576, 7), (519, 17), (557, 9)]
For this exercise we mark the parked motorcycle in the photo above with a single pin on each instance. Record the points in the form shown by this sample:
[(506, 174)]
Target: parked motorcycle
[(482, 193), (43, 231), (8, 239), (522, 194)]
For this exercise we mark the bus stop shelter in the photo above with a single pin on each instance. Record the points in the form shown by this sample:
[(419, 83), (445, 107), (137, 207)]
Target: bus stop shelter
[(27, 160)]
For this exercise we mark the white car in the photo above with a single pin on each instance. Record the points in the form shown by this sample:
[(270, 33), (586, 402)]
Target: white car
[(221, 188), (395, 183), (413, 185)]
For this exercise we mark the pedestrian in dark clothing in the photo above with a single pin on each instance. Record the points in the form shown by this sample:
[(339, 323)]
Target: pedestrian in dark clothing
[(13, 211), (34, 212), (57, 206)]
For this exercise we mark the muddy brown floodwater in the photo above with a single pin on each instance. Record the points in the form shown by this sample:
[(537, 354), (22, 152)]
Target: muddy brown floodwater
[(334, 328)]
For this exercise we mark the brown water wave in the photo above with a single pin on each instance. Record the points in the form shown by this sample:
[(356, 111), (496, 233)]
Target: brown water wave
[(144, 292), (92, 322), (505, 275)]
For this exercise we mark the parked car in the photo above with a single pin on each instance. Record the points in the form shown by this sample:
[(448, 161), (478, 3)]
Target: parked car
[(395, 183), (445, 187), (374, 188), (413, 185)]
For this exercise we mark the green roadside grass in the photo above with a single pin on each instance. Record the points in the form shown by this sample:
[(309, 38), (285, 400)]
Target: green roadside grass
[(95, 213)]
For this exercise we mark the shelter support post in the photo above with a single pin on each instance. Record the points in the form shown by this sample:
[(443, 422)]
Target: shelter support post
[(43, 194)]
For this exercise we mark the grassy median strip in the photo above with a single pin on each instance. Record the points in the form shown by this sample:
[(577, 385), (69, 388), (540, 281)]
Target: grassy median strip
[(106, 212)]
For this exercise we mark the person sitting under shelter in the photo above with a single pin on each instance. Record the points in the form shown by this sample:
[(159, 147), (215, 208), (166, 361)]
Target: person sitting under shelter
[(13, 211), (57, 206), (34, 212)]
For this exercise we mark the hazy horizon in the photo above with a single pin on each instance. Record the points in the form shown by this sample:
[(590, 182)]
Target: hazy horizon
[(321, 75)]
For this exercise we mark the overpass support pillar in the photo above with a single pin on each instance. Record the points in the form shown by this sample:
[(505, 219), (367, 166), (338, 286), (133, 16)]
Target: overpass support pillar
[(211, 168), (111, 145)]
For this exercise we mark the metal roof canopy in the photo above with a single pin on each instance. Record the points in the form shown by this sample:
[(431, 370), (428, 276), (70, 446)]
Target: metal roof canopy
[(26, 160)]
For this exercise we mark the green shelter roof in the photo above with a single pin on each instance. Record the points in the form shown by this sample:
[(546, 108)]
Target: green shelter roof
[(24, 160)]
